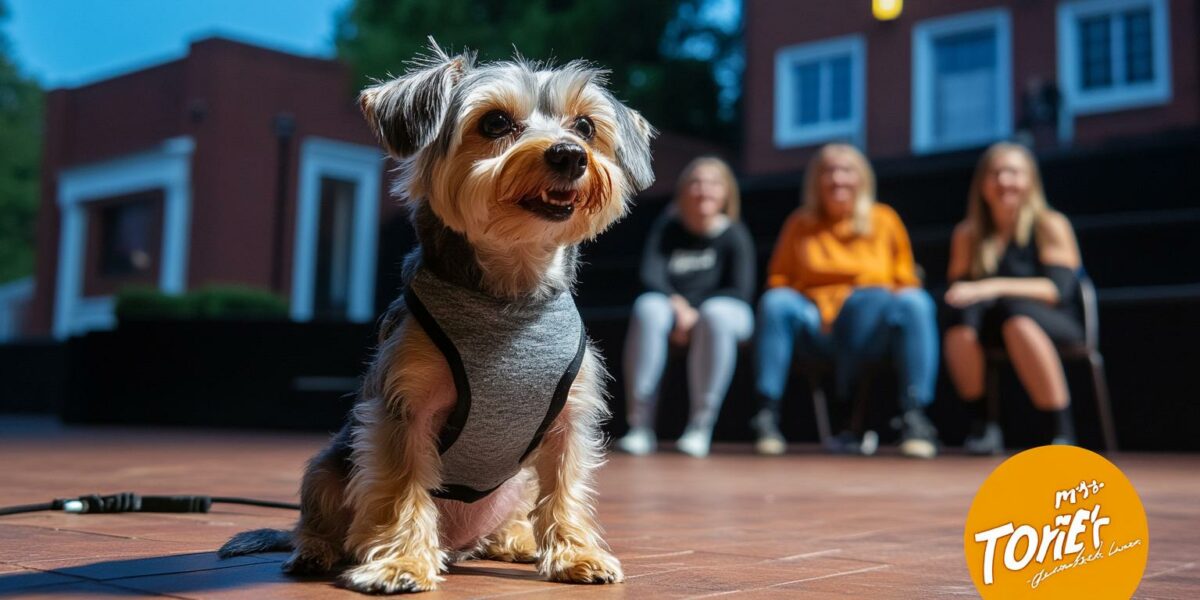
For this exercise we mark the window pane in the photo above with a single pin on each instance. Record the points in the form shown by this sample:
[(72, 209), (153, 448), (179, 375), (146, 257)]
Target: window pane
[(1139, 53), (964, 87), (1095, 52), (966, 107), (125, 238), (963, 52), (334, 248), (839, 82), (808, 93)]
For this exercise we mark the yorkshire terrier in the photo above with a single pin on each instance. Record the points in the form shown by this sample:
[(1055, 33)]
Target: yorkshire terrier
[(477, 428)]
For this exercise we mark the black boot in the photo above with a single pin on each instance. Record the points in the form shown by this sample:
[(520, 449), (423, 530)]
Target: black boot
[(765, 424), (1064, 427), (918, 436), (985, 438)]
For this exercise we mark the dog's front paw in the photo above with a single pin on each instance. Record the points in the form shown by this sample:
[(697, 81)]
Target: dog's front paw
[(391, 577), (583, 565)]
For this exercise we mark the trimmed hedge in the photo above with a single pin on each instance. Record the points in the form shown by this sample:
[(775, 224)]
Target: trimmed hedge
[(210, 302)]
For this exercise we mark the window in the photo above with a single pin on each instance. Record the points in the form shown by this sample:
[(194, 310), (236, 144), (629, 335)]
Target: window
[(334, 235), (123, 242), (82, 192), (126, 230), (819, 92), (1113, 54), (962, 83), (337, 213)]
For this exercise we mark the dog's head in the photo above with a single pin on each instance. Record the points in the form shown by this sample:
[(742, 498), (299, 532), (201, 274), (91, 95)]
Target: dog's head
[(511, 152)]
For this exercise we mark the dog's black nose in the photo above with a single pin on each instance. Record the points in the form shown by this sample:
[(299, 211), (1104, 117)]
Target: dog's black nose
[(567, 159)]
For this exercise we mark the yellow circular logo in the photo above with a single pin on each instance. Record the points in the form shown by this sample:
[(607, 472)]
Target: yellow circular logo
[(1057, 522)]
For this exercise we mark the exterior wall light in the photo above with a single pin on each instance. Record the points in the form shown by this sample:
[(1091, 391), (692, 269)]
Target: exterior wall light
[(887, 10)]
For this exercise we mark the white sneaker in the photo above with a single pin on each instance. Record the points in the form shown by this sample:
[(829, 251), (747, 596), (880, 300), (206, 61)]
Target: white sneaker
[(640, 441), (695, 441), (768, 445)]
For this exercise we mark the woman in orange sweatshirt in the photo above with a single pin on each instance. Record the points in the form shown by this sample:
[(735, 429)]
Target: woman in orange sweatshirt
[(842, 286)]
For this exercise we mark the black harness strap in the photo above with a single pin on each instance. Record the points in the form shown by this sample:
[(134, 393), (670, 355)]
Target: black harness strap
[(462, 493), (462, 407), (560, 395)]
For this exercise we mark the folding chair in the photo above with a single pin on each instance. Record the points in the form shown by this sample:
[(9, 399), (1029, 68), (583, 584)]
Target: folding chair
[(1088, 350)]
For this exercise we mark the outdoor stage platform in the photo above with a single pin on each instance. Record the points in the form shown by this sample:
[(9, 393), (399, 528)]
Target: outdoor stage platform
[(735, 525)]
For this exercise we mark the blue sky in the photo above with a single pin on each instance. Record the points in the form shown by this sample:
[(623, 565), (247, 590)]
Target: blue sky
[(66, 43), (71, 42)]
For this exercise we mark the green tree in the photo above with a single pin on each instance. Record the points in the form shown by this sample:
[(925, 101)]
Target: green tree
[(20, 155), (648, 45)]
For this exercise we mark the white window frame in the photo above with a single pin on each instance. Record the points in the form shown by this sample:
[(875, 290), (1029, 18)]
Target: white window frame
[(167, 168), (853, 129), (363, 165), (1121, 95), (924, 34)]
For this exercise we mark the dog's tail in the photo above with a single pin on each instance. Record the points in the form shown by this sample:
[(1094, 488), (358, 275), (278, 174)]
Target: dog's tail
[(258, 540)]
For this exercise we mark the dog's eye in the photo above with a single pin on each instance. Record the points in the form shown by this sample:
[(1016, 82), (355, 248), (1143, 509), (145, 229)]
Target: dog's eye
[(496, 124), (585, 127)]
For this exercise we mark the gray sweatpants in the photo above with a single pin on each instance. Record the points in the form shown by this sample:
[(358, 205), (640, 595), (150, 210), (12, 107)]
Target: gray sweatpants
[(712, 355)]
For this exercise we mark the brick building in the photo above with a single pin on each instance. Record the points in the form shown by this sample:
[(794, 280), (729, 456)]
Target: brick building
[(950, 75), (235, 164), (179, 174)]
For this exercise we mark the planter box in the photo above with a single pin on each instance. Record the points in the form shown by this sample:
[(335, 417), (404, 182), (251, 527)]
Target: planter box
[(31, 376), (273, 374)]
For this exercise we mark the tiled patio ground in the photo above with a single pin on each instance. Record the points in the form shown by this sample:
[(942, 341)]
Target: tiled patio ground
[(803, 525)]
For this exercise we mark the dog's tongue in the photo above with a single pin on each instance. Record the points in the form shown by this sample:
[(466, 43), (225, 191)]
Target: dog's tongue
[(562, 196)]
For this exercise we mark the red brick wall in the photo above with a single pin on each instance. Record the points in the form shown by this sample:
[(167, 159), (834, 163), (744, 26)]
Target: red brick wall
[(40, 314), (242, 88), (772, 24), (110, 118), (225, 95)]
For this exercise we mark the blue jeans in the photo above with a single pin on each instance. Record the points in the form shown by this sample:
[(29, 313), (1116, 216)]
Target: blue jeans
[(873, 323)]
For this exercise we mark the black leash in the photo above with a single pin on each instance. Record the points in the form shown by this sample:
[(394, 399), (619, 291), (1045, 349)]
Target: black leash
[(131, 502)]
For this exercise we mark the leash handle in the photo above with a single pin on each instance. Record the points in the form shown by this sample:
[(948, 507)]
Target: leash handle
[(131, 502)]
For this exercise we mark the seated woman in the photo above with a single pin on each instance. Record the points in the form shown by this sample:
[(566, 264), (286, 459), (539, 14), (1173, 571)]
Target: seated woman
[(843, 287), (1013, 265), (698, 269)]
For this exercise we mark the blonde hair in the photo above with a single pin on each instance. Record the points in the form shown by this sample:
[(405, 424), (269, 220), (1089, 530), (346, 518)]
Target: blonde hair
[(733, 197), (810, 194), (985, 248)]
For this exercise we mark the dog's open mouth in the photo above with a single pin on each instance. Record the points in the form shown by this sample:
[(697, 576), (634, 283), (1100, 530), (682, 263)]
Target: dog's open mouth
[(552, 205)]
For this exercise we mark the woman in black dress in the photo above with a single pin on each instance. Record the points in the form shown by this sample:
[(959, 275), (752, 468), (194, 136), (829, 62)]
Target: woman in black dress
[(1013, 273)]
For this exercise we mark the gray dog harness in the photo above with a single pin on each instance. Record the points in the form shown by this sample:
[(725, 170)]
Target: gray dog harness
[(513, 365)]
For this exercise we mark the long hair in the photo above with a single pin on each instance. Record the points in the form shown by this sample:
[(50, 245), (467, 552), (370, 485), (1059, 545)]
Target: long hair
[(985, 248), (810, 194), (733, 197)]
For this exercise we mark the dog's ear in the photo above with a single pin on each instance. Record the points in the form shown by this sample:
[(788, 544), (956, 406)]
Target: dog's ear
[(405, 113), (633, 152)]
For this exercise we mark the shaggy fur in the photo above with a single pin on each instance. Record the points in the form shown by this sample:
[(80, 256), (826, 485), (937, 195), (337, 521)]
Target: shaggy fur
[(366, 502)]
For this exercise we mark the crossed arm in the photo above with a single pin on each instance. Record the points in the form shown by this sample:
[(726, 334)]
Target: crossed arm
[(1056, 248)]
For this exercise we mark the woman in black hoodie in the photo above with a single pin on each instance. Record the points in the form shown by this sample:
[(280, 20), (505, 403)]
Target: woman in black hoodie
[(698, 271)]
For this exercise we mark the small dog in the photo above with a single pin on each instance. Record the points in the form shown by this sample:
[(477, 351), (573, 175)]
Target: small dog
[(476, 433)]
